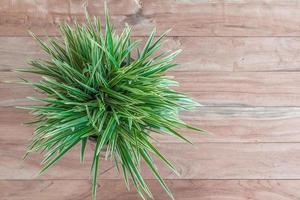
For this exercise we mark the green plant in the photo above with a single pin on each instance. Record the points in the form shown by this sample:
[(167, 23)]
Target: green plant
[(95, 88)]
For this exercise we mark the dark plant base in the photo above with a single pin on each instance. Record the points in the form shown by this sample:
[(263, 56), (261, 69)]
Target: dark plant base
[(93, 140)]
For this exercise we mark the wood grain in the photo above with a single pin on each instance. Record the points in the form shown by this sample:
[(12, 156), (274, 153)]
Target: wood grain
[(198, 161), (241, 60), (199, 53), (241, 88), (182, 189), (208, 88), (186, 18), (225, 124)]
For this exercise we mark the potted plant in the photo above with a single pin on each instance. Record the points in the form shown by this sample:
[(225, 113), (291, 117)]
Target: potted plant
[(104, 87)]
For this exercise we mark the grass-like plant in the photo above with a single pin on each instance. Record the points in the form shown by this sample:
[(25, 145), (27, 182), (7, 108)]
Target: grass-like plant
[(103, 86)]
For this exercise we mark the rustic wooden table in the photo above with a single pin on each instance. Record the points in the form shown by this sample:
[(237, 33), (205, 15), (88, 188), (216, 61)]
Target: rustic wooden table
[(240, 59)]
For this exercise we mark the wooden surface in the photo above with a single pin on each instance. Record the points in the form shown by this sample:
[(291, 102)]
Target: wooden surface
[(189, 189), (198, 161), (240, 60)]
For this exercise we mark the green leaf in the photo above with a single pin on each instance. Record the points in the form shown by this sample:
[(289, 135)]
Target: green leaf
[(108, 88), (83, 145)]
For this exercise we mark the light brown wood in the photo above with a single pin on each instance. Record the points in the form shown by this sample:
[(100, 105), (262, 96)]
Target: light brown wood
[(199, 53), (198, 161), (186, 18), (241, 88), (14, 167), (240, 60), (182, 189), (208, 88), (225, 124)]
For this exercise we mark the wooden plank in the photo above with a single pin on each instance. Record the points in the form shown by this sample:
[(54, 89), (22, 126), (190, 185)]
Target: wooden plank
[(226, 124), (186, 18), (199, 53), (68, 167), (15, 52), (182, 190), (198, 161), (208, 88), (241, 88)]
